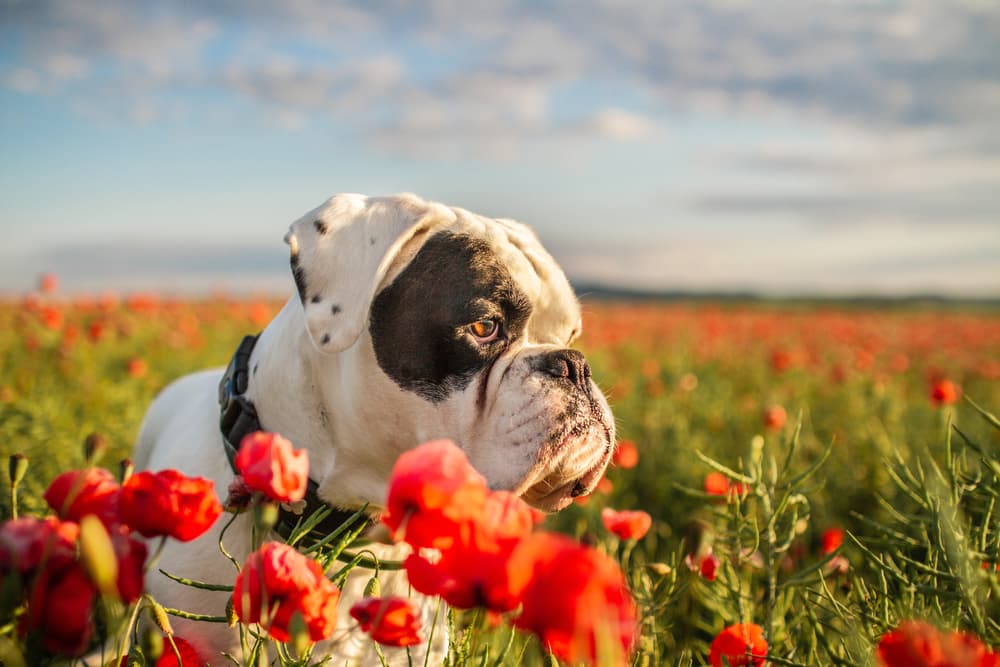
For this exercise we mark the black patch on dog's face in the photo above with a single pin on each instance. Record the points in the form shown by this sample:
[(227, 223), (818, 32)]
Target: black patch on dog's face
[(420, 323)]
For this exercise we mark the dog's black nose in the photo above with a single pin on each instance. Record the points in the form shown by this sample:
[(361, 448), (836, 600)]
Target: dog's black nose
[(568, 364)]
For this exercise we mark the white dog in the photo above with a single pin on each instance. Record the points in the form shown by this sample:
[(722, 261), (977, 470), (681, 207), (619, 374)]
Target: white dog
[(413, 321)]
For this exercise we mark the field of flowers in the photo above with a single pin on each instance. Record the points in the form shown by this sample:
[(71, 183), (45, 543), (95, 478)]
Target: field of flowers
[(813, 485)]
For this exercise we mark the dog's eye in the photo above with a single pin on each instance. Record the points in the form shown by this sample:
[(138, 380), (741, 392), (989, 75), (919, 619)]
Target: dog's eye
[(484, 330)]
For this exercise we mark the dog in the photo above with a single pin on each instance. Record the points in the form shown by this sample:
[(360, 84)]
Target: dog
[(412, 321)]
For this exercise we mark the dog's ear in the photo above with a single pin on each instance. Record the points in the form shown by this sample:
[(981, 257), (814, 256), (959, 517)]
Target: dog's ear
[(341, 252)]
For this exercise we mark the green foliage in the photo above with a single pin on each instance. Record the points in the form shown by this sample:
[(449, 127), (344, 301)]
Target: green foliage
[(913, 486)]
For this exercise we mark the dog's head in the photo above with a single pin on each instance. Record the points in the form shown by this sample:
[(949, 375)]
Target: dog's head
[(453, 325)]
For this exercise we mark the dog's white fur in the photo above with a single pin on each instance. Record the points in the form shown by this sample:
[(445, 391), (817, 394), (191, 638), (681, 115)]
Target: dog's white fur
[(316, 380)]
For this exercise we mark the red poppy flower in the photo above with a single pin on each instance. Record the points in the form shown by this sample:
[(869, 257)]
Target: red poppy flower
[(709, 566), (742, 644), (919, 644), (716, 484), (830, 540), (575, 600), (775, 417), (29, 542), (268, 464), (944, 392), (475, 570), (391, 621), (627, 524), (77, 493), (432, 490), (626, 455), (131, 556), (276, 582), (60, 608), (168, 503)]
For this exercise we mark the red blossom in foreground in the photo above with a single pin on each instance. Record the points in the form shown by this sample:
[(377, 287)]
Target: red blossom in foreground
[(169, 503), (432, 491), (29, 542), (275, 583), (741, 645), (626, 524), (60, 606), (626, 455), (77, 493), (391, 621), (919, 644), (476, 570), (268, 464), (131, 556), (944, 392), (576, 600)]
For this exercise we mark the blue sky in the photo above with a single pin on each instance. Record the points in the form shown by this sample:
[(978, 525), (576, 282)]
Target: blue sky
[(792, 147)]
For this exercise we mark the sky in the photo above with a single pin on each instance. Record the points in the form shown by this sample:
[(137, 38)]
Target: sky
[(784, 148)]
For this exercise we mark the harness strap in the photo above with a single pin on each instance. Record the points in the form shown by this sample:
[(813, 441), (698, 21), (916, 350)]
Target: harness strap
[(238, 419)]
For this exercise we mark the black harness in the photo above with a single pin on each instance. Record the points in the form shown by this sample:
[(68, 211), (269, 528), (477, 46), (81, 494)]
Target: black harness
[(238, 418)]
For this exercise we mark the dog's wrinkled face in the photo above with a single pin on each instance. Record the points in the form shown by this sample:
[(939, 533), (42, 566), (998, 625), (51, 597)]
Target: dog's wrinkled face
[(470, 320)]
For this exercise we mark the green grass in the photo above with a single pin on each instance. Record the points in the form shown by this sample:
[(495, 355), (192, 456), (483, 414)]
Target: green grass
[(688, 384)]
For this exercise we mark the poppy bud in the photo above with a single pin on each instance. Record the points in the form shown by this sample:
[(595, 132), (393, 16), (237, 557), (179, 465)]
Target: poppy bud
[(16, 468), (98, 555), (94, 446), (159, 615)]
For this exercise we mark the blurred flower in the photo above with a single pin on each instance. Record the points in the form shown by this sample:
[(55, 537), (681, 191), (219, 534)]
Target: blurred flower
[(60, 607), (29, 542), (775, 417), (97, 330), (741, 644), (626, 524), (52, 318), (168, 503), (268, 464), (830, 540), (920, 644), (576, 600), (717, 484), (137, 367), (48, 283), (131, 556), (706, 565), (626, 455), (944, 392), (709, 566), (604, 486), (391, 621), (275, 583), (432, 490), (77, 493)]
